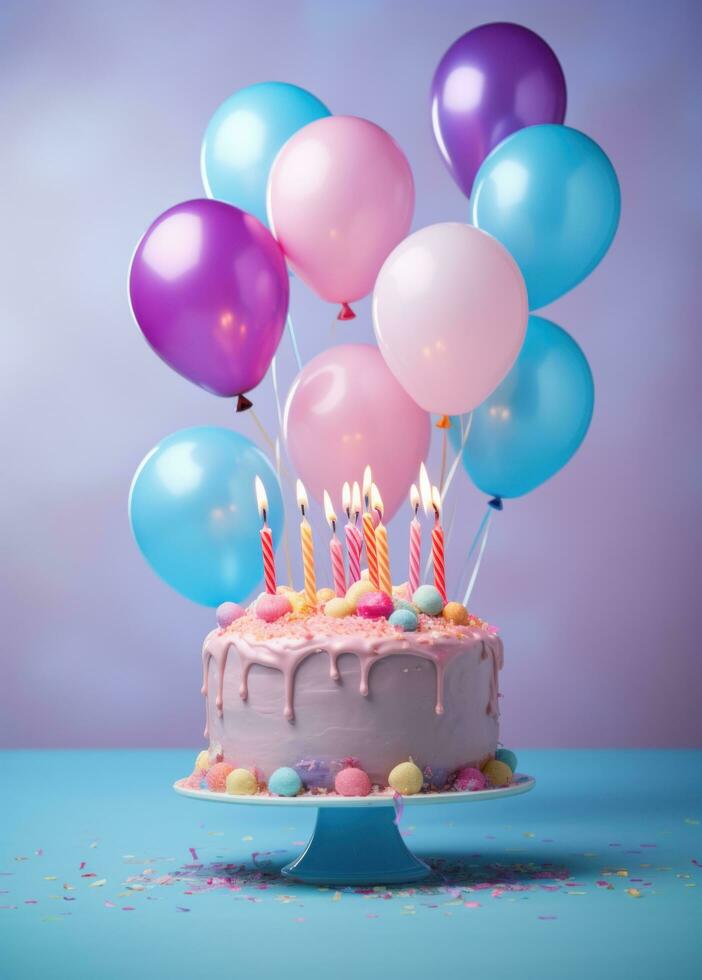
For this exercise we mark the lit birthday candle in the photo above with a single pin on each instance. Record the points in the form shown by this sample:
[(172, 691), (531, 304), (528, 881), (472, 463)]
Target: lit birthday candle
[(369, 530), (335, 552), (354, 540), (437, 545), (381, 544), (307, 548), (415, 542), (266, 537)]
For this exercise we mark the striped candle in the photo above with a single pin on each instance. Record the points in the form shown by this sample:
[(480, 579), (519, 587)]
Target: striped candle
[(369, 523), (335, 553), (437, 545), (307, 545), (381, 545), (266, 538), (415, 543), (354, 539)]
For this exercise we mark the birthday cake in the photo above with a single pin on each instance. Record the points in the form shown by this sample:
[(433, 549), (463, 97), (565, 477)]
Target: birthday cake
[(362, 693)]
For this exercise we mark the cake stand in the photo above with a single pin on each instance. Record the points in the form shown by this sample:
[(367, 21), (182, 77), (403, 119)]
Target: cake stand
[(356, 839)]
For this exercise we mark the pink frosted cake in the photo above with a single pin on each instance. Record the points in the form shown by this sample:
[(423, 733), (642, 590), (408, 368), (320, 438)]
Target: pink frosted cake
[(373, 688)]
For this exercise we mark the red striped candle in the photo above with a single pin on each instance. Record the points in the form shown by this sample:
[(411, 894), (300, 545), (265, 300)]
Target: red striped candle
[(437, 545), (266, 538)]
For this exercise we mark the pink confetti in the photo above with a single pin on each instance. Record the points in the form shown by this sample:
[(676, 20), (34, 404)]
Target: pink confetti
[(472, 905), (128, 908), (81, 865), (193, 852)]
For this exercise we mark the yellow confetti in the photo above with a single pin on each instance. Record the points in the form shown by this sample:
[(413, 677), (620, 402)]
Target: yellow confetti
[(622, 873), (50, 877), (67, 887), (247, 838), (692, 821), (528, 833), (634, 892), (336, 897)]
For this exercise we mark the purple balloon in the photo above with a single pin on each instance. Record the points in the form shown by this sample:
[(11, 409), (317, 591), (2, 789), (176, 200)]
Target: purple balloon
[(209, 289), (491, 82)]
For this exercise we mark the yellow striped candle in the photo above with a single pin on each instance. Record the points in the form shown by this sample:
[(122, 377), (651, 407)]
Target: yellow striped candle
[(381, 545), (307, 544)]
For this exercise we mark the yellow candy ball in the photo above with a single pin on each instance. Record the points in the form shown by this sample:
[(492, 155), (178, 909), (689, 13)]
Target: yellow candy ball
[(324, 595), (497, 773), (338, 608), (284, 589), (357, 590), (456, 613), (298, 602), (241, 782), (406, 779), (202, 763)]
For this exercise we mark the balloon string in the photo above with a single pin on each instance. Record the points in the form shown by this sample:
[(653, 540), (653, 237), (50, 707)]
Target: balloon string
[(449, 479), (276, 394), (286, 539), (268, 438), (293, 341), (469, 591), (444, 450)]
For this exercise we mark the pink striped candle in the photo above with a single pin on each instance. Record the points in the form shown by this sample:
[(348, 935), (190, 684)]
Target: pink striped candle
[(354, 539), (335, 552), (266, 538), (415, 543)]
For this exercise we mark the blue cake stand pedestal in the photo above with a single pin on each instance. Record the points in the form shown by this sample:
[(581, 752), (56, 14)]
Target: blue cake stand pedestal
[(356, 839)]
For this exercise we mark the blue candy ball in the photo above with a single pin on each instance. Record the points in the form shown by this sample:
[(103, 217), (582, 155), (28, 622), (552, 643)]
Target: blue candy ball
[(285, 782), (428, 599), (404, 618), (508, 757)]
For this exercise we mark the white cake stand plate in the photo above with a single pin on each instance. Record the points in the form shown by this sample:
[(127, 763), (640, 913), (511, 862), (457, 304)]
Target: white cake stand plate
[(356, 839)]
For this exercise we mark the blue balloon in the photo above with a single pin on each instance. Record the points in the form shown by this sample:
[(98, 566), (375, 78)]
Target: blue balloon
[(551, 196), (193, 512), (536, 419), (243, 139)]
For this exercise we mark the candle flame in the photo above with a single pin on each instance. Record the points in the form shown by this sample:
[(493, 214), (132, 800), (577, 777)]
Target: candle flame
[(346, 498), (436, 501), (261, 498), (425, 488), (414, 498), (367, 483), (301, 496), (356, 506), (376, 500), (329, 511)]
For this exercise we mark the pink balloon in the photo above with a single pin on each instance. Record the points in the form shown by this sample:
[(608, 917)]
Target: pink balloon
[(450, 313), (340, 198), (345, 411)]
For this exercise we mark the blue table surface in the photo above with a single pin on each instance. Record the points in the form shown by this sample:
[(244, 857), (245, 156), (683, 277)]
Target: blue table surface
[(105, 872)]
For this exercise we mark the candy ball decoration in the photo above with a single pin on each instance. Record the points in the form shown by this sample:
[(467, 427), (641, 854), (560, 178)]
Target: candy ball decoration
[(428, 600), (337, 608), (406, 779), (469, 778), (497, 773), (202, 763), (217, 777), (272, 607), (455, 613), (285, 782), (406, 619), (324, 595), (241, 782), (508, 757), (356, 591), (374, 605), (352, 782), (227, 613)]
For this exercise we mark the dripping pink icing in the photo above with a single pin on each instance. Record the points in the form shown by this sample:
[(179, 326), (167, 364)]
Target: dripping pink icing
[(285, 644)]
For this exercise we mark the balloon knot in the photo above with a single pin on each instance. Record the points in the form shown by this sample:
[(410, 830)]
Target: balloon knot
[(444, 422), (243, 403), (495, 503), (346, 313)]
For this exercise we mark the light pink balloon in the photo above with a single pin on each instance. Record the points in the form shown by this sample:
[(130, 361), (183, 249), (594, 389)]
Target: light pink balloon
[(450, 312), (345, 411), (340, 198)]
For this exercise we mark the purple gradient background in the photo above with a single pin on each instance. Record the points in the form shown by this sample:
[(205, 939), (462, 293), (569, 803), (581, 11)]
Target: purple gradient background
[(593, 579)]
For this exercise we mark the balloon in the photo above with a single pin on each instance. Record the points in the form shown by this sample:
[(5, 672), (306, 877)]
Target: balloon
[(345, 411), (551, 196), (449, 311), (209, 289), (491, 82), (245, 134), (340, 197), (535, 421), (193, 512)]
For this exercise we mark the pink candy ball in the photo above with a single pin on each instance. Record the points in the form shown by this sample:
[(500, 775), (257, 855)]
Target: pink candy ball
[(272, 607), (216, 777), (228, 613), (375, 605), (352, 782), (469, 778)]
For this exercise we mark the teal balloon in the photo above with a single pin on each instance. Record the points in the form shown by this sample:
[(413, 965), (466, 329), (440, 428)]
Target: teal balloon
[(243, 139), (551, 196), (193, 512), (535, 421)]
